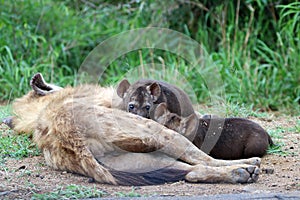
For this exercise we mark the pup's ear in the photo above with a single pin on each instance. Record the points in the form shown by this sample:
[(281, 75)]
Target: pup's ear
[(41, 87), (160, 111), (154, 90), (122, 88), (191, 124)]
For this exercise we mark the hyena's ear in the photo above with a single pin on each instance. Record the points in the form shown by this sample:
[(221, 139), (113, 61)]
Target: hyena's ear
[(191, 124), (154, 90), (123, 87), (160, 111), (39, 85)]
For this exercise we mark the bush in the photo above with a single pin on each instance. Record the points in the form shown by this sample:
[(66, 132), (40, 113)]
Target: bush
[(254, 44)]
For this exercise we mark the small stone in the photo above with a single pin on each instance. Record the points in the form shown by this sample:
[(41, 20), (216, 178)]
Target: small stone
[(268, 171), (22, 167)]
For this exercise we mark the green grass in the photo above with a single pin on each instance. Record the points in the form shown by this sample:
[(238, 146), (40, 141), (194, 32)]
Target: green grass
[(276, 134), (71, 192), (132, 193), (12, 145), (16, 146), (255, 50)]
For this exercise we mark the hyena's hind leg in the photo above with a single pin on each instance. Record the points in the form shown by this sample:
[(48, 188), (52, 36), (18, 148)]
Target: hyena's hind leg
[(66, 150), (78, 161)]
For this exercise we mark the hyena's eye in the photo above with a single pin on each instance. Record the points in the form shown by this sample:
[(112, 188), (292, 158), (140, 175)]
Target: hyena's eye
[(147, 107), (131, 106)]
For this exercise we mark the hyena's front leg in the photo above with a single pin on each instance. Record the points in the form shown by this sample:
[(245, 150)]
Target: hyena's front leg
[(147, 162), (180, 147), (150, 136)]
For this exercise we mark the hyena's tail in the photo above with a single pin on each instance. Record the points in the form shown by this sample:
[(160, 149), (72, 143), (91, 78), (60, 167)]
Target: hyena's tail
[(159, 176)]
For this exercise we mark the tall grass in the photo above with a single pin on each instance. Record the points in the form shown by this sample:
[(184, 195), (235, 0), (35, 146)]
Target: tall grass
[(254, 44)]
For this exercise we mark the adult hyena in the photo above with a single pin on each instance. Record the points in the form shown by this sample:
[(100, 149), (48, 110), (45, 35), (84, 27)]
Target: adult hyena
[(79, 131)]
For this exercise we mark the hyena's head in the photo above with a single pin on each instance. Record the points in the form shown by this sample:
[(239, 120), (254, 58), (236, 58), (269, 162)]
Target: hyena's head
[(139, 98), (26, 108), (186, 126)]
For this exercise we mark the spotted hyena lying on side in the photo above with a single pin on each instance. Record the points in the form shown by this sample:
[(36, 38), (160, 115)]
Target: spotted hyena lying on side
[(79, 130), (239, 137)]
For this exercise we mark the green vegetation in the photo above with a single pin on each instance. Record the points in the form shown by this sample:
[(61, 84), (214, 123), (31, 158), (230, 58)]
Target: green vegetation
[(278, 147), (254, 44), (132, 193), (16, 146), (71, 192), (12, 145)]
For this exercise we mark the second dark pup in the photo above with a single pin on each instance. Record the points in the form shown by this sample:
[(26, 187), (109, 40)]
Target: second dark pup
[(239, 138)]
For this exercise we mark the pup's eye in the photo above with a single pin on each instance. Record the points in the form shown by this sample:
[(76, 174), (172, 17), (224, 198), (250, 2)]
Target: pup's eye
[(131, 106), (147, 107)]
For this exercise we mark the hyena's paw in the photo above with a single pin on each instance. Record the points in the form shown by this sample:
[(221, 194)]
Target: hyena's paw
[(245, 174)]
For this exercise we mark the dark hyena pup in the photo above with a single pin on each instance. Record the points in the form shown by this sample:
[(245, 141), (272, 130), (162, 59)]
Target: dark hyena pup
[(240, 138), (143, 96)]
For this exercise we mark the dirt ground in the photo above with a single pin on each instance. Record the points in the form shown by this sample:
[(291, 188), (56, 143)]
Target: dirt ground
[(21, 178)]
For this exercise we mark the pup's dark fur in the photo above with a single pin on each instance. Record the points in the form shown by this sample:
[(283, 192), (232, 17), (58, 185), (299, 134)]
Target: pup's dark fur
[(143, 96)]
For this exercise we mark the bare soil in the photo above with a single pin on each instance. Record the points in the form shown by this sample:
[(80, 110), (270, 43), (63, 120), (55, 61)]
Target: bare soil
[(280, 173)]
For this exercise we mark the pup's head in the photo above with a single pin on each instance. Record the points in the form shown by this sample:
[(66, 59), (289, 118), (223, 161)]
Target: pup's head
[(139, 98), (186, 126)]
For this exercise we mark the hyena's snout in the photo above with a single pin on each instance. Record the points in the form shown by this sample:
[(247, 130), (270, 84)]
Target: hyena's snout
[(8, 121)]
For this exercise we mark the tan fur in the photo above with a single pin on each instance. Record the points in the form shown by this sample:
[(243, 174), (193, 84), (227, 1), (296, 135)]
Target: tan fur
[(78, 130)]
